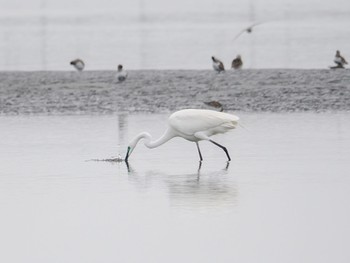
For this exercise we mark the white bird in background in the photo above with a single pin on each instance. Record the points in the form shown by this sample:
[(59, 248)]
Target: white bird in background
[(78, 64), (121, 75), (217, 65), (248, 29), (193, 125)]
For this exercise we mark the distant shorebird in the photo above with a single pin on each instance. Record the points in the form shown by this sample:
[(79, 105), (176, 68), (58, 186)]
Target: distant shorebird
[(215, 104), (121, 75), (339, 60), (248, 30), (78, 64), (237, 63), (218, 65)]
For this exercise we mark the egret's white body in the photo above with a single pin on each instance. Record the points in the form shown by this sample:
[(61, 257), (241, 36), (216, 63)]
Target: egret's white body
[(121, 74), (217, 65), (193, 125), (78, 64)]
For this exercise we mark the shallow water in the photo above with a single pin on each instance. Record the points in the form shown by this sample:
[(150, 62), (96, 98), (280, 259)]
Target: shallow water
[(283, 198)]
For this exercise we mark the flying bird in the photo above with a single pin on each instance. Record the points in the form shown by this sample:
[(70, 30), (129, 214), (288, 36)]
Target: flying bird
[(121, 74), (217, 65), (215, 104), (78, 64), (193, 125), (248, 30), (237, 63)]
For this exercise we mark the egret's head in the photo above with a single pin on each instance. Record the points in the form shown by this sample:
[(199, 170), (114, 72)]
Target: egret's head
[(129, 151), (134, 142)]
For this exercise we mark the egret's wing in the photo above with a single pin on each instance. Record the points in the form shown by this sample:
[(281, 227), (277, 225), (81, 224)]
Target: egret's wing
[(191, 121)]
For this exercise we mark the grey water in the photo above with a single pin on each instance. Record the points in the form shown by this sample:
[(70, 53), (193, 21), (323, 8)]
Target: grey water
[(283, 197), (155, 34)]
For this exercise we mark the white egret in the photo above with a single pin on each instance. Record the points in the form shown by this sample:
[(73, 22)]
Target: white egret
[(78, 64), (193, 125), (121, 75), (217, 65)]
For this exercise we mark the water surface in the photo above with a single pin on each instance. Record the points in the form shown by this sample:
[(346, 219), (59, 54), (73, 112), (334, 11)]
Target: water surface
[(283, 197)]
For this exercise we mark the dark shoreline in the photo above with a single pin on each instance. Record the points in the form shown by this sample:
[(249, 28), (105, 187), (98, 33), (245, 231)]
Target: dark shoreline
[(163, 91)]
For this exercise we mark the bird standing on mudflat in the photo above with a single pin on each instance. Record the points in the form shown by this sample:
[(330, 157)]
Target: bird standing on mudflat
[(121, 74), (218, 65), (237, 63), (193, 125), (78, 64), (215, 104), (339, 60)]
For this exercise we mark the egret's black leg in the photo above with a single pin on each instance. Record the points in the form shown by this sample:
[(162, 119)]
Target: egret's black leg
[(222, 147), (199, 151)]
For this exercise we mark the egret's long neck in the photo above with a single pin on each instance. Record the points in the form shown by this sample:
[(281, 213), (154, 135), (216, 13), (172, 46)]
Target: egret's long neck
[(153, 144)]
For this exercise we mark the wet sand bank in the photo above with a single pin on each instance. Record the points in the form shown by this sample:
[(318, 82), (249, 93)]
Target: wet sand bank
[(162, 91)]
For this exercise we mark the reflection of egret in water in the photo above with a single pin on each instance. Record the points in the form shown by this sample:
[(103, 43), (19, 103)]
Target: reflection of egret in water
[(209, 191), (215, 190)]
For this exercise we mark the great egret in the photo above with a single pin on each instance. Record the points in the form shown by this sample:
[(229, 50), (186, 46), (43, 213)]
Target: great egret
[(237, 63), (121, 75), (339, 60), (218, 65), (214, 104), (78, 64), (193, 125)]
